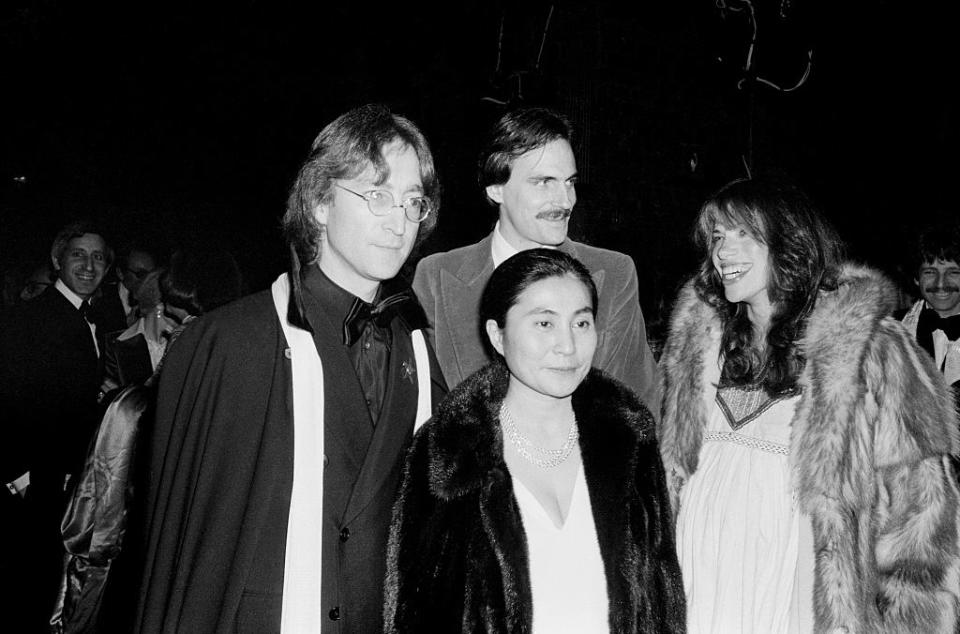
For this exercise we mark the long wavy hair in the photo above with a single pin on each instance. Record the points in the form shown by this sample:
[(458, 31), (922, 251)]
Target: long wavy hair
[(805, 259)]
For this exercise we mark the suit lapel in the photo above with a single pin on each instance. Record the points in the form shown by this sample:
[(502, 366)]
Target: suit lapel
[(78, 330), (345, 425), (133, 358), (460, 291), (395, 425)]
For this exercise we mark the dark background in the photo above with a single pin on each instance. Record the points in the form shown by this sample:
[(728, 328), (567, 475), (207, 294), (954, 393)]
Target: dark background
[(186, 122)]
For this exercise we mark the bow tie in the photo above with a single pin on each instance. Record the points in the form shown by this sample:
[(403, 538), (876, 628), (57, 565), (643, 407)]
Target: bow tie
[(932, 320), (362, 313)]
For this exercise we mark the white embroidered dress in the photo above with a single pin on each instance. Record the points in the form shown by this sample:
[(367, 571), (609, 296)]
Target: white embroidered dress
[(744, 547)]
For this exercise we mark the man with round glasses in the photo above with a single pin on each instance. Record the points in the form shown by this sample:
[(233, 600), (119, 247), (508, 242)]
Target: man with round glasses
[(381, 202), (528, 171), (282, 418)]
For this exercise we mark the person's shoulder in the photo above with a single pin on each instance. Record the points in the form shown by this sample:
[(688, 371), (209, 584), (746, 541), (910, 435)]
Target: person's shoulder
[(454, 257), (243, 319), (607, 401), (598, 257), (48, 307), (863, 296)]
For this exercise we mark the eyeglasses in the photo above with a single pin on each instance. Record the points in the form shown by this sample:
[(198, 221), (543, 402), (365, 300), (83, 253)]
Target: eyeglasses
[(381, 202), (140, 274)]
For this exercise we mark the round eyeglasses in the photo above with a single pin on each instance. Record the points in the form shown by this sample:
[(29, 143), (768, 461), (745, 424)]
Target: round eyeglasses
[(381, 202)]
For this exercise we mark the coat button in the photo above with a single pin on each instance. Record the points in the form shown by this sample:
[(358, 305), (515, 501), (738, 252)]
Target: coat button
[(335, 613), (344, 534)]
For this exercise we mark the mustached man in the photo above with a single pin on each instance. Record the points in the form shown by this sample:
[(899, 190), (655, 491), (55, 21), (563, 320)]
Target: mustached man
[(528, 171)]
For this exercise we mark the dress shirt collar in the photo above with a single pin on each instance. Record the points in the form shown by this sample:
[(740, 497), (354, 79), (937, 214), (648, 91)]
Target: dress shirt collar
[(501, 250), (124, 293), (72, 297), (335, 300)]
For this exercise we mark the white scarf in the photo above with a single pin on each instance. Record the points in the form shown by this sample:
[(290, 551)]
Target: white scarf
[(302, 605)]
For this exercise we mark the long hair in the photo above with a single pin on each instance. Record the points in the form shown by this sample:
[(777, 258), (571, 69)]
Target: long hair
[(345, 148), (805, 258)]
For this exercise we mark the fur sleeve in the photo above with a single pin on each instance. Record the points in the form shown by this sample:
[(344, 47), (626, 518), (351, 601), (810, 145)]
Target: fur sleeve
[(918, 564), (663, 583), (404, 566), (424, 579)]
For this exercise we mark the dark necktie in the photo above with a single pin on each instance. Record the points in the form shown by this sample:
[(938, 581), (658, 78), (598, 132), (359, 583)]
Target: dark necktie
[(85, 310), (362, 313), (929, 321)]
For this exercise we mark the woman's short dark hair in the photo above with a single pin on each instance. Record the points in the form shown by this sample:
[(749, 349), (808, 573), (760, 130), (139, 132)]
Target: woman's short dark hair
[(515, 134), (805, 258), (198, 282), (519, 272), (149, 293)]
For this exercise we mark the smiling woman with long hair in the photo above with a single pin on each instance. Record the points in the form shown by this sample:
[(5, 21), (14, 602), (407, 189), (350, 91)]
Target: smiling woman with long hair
[(804, 435), (535, 500)]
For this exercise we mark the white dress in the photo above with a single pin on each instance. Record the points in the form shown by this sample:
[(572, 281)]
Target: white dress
[(745, 549), (567, 580)]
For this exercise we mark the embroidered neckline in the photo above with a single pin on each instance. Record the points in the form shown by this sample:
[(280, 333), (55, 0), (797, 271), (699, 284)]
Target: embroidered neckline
[(743, 404)]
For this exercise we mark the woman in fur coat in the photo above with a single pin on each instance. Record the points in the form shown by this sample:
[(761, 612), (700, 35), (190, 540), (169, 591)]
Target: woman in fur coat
[(535, 499), (804, 435)]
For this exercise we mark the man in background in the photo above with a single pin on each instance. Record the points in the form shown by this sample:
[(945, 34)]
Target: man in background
[(49, 382), (935, 318), (529, 173)]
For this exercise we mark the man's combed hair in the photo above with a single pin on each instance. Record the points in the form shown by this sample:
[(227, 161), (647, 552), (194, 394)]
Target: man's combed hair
[(805, 258), (75, 229), (515, 134)]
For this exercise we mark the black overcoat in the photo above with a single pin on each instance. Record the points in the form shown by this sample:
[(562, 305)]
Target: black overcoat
[(221, 470)]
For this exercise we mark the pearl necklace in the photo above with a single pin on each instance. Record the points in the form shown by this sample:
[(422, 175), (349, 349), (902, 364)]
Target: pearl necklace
[(552, 457)]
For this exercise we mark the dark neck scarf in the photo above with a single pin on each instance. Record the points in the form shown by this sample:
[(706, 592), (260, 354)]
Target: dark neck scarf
[(930, 321), (380, 314)]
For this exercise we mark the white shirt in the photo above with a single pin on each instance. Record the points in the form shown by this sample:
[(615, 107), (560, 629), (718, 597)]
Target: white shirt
[(155, 349), (567, 580), (501, 250), (76, 300), (124, 294)]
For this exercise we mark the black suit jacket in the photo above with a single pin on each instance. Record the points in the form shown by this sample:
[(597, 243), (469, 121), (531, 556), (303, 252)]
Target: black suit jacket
[(49, 380), (125, 361), (108, 311)]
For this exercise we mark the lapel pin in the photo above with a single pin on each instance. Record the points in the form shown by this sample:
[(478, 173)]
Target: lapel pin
[(407, 370)]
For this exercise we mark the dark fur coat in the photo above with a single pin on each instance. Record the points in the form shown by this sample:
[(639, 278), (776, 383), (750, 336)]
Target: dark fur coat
[(457, 557), (868, 454)]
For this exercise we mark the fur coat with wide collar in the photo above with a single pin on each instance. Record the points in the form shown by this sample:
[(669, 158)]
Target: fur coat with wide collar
[(457, 557), (868, 445)]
